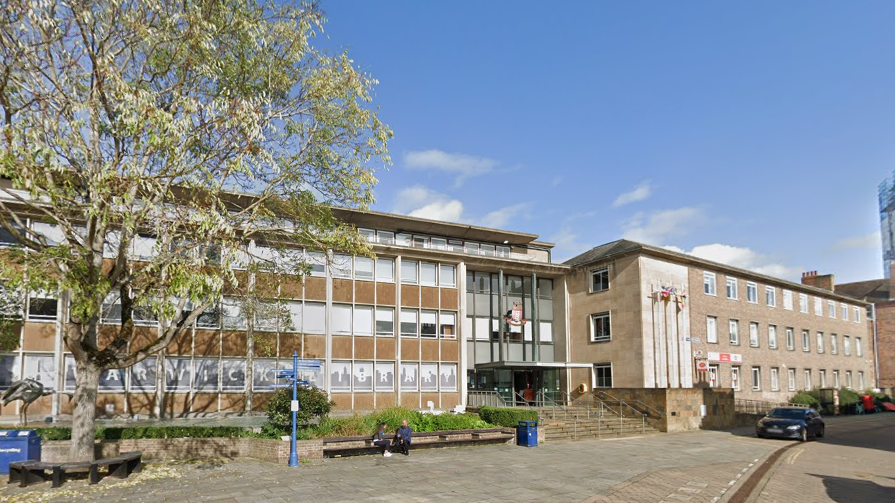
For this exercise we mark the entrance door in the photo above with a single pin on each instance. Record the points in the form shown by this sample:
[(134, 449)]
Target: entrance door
[(524, 387)]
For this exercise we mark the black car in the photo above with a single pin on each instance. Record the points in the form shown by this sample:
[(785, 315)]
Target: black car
[(791, 422)]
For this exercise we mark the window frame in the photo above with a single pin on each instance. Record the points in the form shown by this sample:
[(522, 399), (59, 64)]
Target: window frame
[(603, 274), (709, 283), (770, 296), (806, 341), (607, 316), (733, 329), (733, 289), (754, 337), (751, 292), (756, 378), (772, 339), (775, 378), (791, 383), (790, 339), (711, 335)]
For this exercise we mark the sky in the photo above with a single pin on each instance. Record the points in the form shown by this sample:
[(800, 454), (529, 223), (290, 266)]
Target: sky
[(751, 133)]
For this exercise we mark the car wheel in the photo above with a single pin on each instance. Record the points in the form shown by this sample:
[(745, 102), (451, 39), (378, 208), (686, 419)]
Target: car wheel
[(820, 433), (759, 435), (803, 435)]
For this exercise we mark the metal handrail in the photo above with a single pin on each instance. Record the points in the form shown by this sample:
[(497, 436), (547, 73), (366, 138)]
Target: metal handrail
[(489, 398), (622, 403)]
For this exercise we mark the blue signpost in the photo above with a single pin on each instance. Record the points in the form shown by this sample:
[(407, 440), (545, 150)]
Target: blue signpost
[(292, 375)]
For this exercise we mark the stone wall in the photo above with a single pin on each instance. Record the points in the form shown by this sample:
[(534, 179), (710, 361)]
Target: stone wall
[(681, 408)]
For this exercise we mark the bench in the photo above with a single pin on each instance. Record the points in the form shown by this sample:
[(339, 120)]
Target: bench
[(29, 472), (337, 447)]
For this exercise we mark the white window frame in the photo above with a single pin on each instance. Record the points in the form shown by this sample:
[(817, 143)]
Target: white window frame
[(859, 348), (803, 303), (844, 308), (806, 341), (388, 312), (856, 314), (770, 296), (709, 286), (831, 309), (775, 379), (790, 339), (756, 378), (836, 379), (599, 271), (425, 269), (846, 345), (711, 329), (754, 341), (733, 328), (861, 384), (408, 279), (822, 377), (834, 345), (732, 285), (848, 381), (607, 315), (791, 379), (385, 270), (447, 275), (751, 292), (818, 306), (820, 342), (772, 336), (735, 377), (787, 300), (808, 383)]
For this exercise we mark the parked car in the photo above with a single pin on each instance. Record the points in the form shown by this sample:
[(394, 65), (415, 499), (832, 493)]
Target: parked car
[(791, 422)]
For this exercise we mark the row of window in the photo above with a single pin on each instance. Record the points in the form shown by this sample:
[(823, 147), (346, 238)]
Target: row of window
[(434, 243), (808, 381), (357, 376), (771, 298), (711, 329), (483, 329)]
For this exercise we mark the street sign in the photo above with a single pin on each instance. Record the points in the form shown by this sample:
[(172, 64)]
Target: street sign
[(725, 357), (691, 339), (698, 353), (702, 366), (308, 366), (293, 406)]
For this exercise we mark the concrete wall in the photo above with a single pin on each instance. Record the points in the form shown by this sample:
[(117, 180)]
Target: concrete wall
[(192, 448), (681, 409)]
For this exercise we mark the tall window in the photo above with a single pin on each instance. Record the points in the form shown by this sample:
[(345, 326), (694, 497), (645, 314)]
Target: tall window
[(385, 270), (753, 334), (846, 345), (447, 276), (600, 327), (599, 279), (820, 342), (756, 378), (409, 272), (409, 327), (791, 379), (806, 341), (861, 379), (844, 312), (822, 375), (818, 306), (734, 332), (807, 379), (834, 347), (836, 379), (803, 302), (790, 339), (708, 283), (787, 300), (732, 288), (775, 379), (447, 325), (831, 309), (385, 321), (711, 329), (859, 351), (428, 274), (856, 314), (751, 293), (772, 336), (428, 324), (848, 383), (363, 268), (770, 296), (603, 375), (735, 378)]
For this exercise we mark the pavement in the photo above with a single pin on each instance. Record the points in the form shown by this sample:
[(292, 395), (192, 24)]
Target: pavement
[(698, 467)]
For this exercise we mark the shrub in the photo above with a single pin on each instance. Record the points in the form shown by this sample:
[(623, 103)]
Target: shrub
[(847, 396), (805, 398), (506, 417), (313, 404)]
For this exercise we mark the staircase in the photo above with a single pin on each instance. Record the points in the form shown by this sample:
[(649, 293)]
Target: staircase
[(576, 422)]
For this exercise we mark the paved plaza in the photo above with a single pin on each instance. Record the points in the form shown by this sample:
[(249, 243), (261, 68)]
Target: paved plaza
[(698, 467)]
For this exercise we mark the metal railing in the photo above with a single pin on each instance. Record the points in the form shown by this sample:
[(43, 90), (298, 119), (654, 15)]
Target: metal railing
[(644, 409), (485, 398), (744, 406)]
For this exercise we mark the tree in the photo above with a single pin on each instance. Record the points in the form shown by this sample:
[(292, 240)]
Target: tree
[(160, 137)]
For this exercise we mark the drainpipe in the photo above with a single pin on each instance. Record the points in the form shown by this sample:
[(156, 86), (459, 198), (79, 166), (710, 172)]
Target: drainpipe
[(875, 347)]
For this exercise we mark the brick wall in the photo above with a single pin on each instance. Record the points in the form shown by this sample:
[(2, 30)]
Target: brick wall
[(885, 319)]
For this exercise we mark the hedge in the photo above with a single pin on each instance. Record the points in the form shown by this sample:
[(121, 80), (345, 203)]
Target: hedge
[(506, 417), (115, 433)]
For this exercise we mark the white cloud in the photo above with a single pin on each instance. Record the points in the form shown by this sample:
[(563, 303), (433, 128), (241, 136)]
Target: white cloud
[(660, 226), (422, 202), (567, 244), (462, 165), (500, 218), (872, 240), (557, 180), (640, 193), (744, 258)]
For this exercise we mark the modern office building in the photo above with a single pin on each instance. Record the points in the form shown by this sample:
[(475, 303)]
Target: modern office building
[(450, 313), (886, 192)]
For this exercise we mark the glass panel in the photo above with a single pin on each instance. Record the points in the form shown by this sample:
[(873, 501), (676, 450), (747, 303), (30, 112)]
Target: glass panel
[(409, 376), (439, 243), (263, 379), (448, 325), (341, 266), (482, 328), (546, 331), (112, 380), (385, 270), (292, 321), (9, 370), (266, 316), (487, 250), (233, 374), (317, 263), (42, 308), (143, 375), (314, 318), (341, 321), (385, 321), (368, 235), (363, 320), (363, 268), (455, 245), (234, 319), (41, 369), (385, 376), (403, 240), (363, 376), (420, 242), (448, 276), (427, 324), (385, 237), (428, 274), (408, 323), (408, 272), (340, 377), (206, 376), (428, 377), (178, 373), (545, 288)]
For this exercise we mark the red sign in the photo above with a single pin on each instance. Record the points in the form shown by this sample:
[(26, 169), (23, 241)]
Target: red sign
[(702, 366), (725, 357)]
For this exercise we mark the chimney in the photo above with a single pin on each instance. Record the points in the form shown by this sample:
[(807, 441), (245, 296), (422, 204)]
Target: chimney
[(825, 281)]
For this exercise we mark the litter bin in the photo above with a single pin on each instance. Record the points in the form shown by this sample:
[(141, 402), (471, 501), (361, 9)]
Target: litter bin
[(527, 435), (18, 445)]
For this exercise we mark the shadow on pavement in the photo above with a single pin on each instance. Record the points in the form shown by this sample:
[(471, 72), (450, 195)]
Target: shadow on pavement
[(848, 490)]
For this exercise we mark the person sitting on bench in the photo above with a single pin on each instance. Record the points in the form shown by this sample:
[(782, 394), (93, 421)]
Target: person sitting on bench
[(380, 440), (403, 438)]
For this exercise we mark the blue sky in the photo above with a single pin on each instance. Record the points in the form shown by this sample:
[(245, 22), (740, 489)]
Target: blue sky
[(753, 133)]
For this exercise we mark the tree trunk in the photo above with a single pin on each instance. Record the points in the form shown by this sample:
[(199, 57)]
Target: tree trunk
[(84, 414)]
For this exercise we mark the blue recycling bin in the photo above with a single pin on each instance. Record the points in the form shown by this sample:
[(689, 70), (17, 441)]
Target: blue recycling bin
[(18, 445), (527, 435)]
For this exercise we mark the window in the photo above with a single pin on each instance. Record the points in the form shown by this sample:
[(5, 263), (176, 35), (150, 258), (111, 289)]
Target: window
[(834, 347), (818, 306), (408, 323), (775, 379), (831, 309), (806, 342), (752, 293), (708, 283), (848, 383), (859, 351), (231, 311), (734, 332), (791, 379), (428, 324), (385, 321), (385, 237), (787, 300), (599, 279), (210, 318), (732, 288), (807, 379), (448, 325), (772, 336), (6, 237), (408, 272), (790, 339), (420, 242), (385, 270), (439, 243), (844, 312), (363, 320), (448, 276), (341, 319), (753, 334), (317, 263), (503, 251), (428, 274), (368, 235), (820, 342), (314, 318), (803, 302), (363, 268), (487, 250), (455, 245), (822, 375), (713, 376), (861, 379), (836, 379), (385, 376), (770, 296), (42, 307), (735, 378), (856, 314), (846, 345), (603, 375), (600, 328), (756, 378), (112, 309), (711, 329), (341, 266)]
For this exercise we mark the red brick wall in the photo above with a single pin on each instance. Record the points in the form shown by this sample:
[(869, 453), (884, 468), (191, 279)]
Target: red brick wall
[(885, 319)]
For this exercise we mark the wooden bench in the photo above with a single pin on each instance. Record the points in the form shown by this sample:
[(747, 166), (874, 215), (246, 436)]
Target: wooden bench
[(337, 447), (29, 472)]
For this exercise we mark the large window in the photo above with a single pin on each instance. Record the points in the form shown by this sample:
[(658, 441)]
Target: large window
[(751, 293), (385, 270), (341, 319), (770, 296), (448, 276), (42, 308), (385, 321), (314, 321), (409, 326), (599, 279), (600, 327), (753, 334), (363, 320), (341, 266), (409, 272), (732, 291), (711, 329), (603, 375), (428, 324), (708, 283), (363, 268), (734, 331), (428, 274), (447, 323), (772, 336), (803, 302)]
